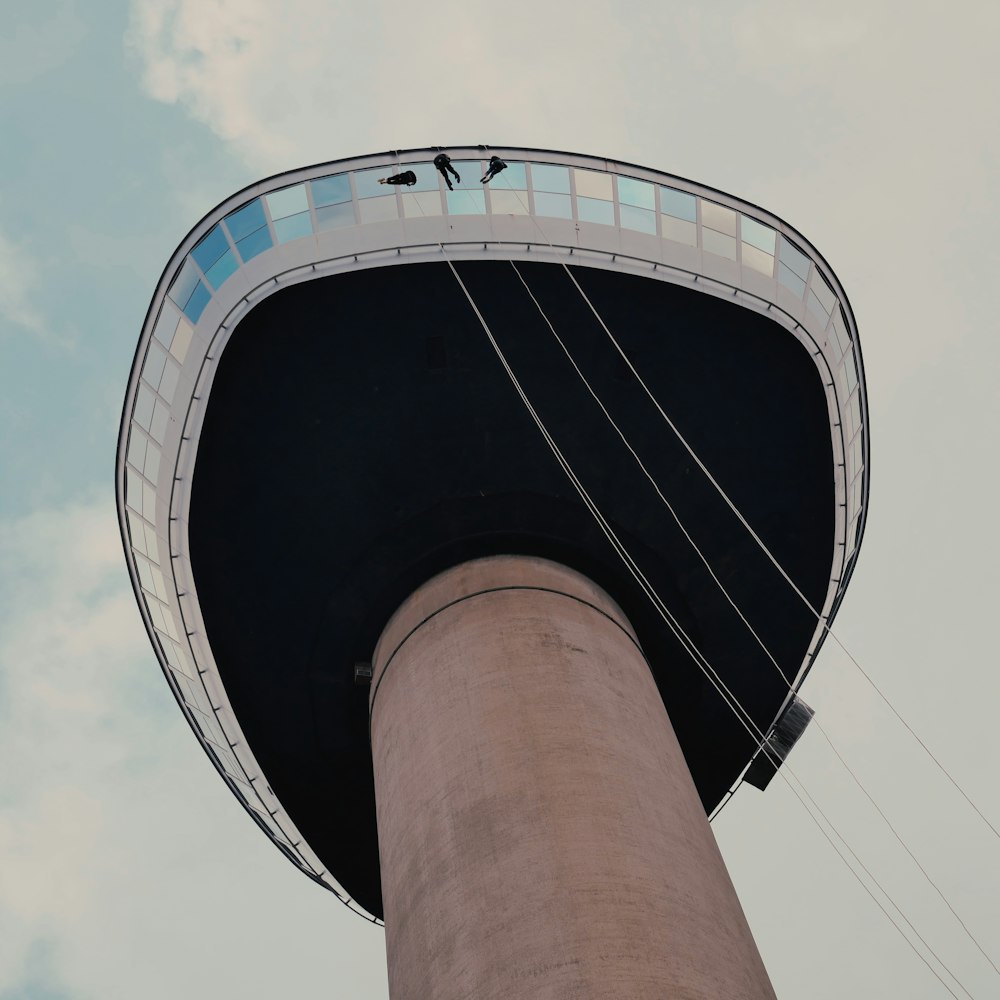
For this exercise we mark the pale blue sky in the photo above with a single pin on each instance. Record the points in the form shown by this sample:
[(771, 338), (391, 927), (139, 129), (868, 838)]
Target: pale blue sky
[(126, 869)]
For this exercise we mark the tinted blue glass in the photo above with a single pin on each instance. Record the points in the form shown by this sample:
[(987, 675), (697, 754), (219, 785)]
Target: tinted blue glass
[(757, 235), (331, 190), (183, 286), (545, 177), (595, 210), (639, 219), (254, 244), (679, 204), (466, 202), (794, 258), (470, 171), (557, 206), (513, 177), (333, 216), (200, 298), (638, 193), (366, 182), (293, 227), (210, 249), (246, 220), (427, 176), (221, 269)]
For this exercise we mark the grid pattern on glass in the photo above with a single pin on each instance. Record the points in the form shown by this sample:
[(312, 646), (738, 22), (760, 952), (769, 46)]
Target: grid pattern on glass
[(289, 210), (594, 196), (821, 299), (551, 187), (215, 258), (189, 292), (757, 245), (793, 267), (718, 229), (248, 229), (637, 205), (332, 199), (679, 216)]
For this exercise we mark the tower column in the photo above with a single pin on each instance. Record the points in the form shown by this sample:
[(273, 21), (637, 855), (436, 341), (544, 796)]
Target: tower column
[(539, 832)]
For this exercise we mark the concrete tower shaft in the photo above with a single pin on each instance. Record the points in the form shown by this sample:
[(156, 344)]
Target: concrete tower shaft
[(539, 831)]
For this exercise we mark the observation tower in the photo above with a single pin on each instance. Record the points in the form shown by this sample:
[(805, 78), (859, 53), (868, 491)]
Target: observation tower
[(484, 537)]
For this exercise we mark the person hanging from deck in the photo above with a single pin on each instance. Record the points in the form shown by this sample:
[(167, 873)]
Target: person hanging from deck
[(443, 162), (496, 165), (407, 177)]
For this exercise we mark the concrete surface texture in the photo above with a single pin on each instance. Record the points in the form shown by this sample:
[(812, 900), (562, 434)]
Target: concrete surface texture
[(539, 832)]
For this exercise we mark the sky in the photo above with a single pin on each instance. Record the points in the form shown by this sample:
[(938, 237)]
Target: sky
[(126, 868)]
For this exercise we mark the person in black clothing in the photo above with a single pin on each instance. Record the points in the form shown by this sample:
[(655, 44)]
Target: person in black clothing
[(443, 162), (496, 165), (407, 177)]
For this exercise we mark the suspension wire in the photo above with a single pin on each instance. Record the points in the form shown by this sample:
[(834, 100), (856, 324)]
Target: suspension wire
[(821, 619), (743, 618), (731, 701)]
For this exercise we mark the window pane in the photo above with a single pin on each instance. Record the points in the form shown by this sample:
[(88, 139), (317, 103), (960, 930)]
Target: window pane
[(790, 280), (289, 201), (596, 210), (158, 425), (143, 412), (335, 216), (184, 284), (757, 235), (366, 182), (467, 202), (331, 190), (555, 205), (758, 260), (794, 259), (166, 324), (223, 268), (591, 184), (200, 298), (816, 307), (719, 244), (514, 177), (470, 171), (823, 291), (136, 454), (545, 177), (717, 217), (210, 249), (293, 227), (254, 244), (638, 218), (508, 202), (156, 358), (679, 204), (427, 177), (181, 341), (378, 209), (679, 231), (421, 204), (246, 220), (634, 192)]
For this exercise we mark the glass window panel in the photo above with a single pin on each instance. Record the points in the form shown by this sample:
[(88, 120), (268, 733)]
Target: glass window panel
[(679, 230), (640, 219), (718, 218), (840, 332), (152, 543), (223, 268), (159, 584), (823, 291), (144, 400), (136, 454), (158, 425), (335, 216), (757, 235), (210, 249), (137, 532), (178, 658), (635, 192), (145, 575), (470, 171), (508, 202), (420, 204), (366, 182), (546, 177), (148, 502), (851, 371), (133, 490), (557, 206), (184, 284), (794, 259), (182, 340), (156, 358), (679, 204), (246, 220), (514, 177), (378, 209), (167, 323), (293, 227), (151, 465), (719, 244), (200, 298), (856, 494), (288, 201), (596, 210), (331, 190), (158, 616), (254, 244), (790, 280), (592, 184), (427, 177), (816, 307), (467, 202), (758, 260)]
